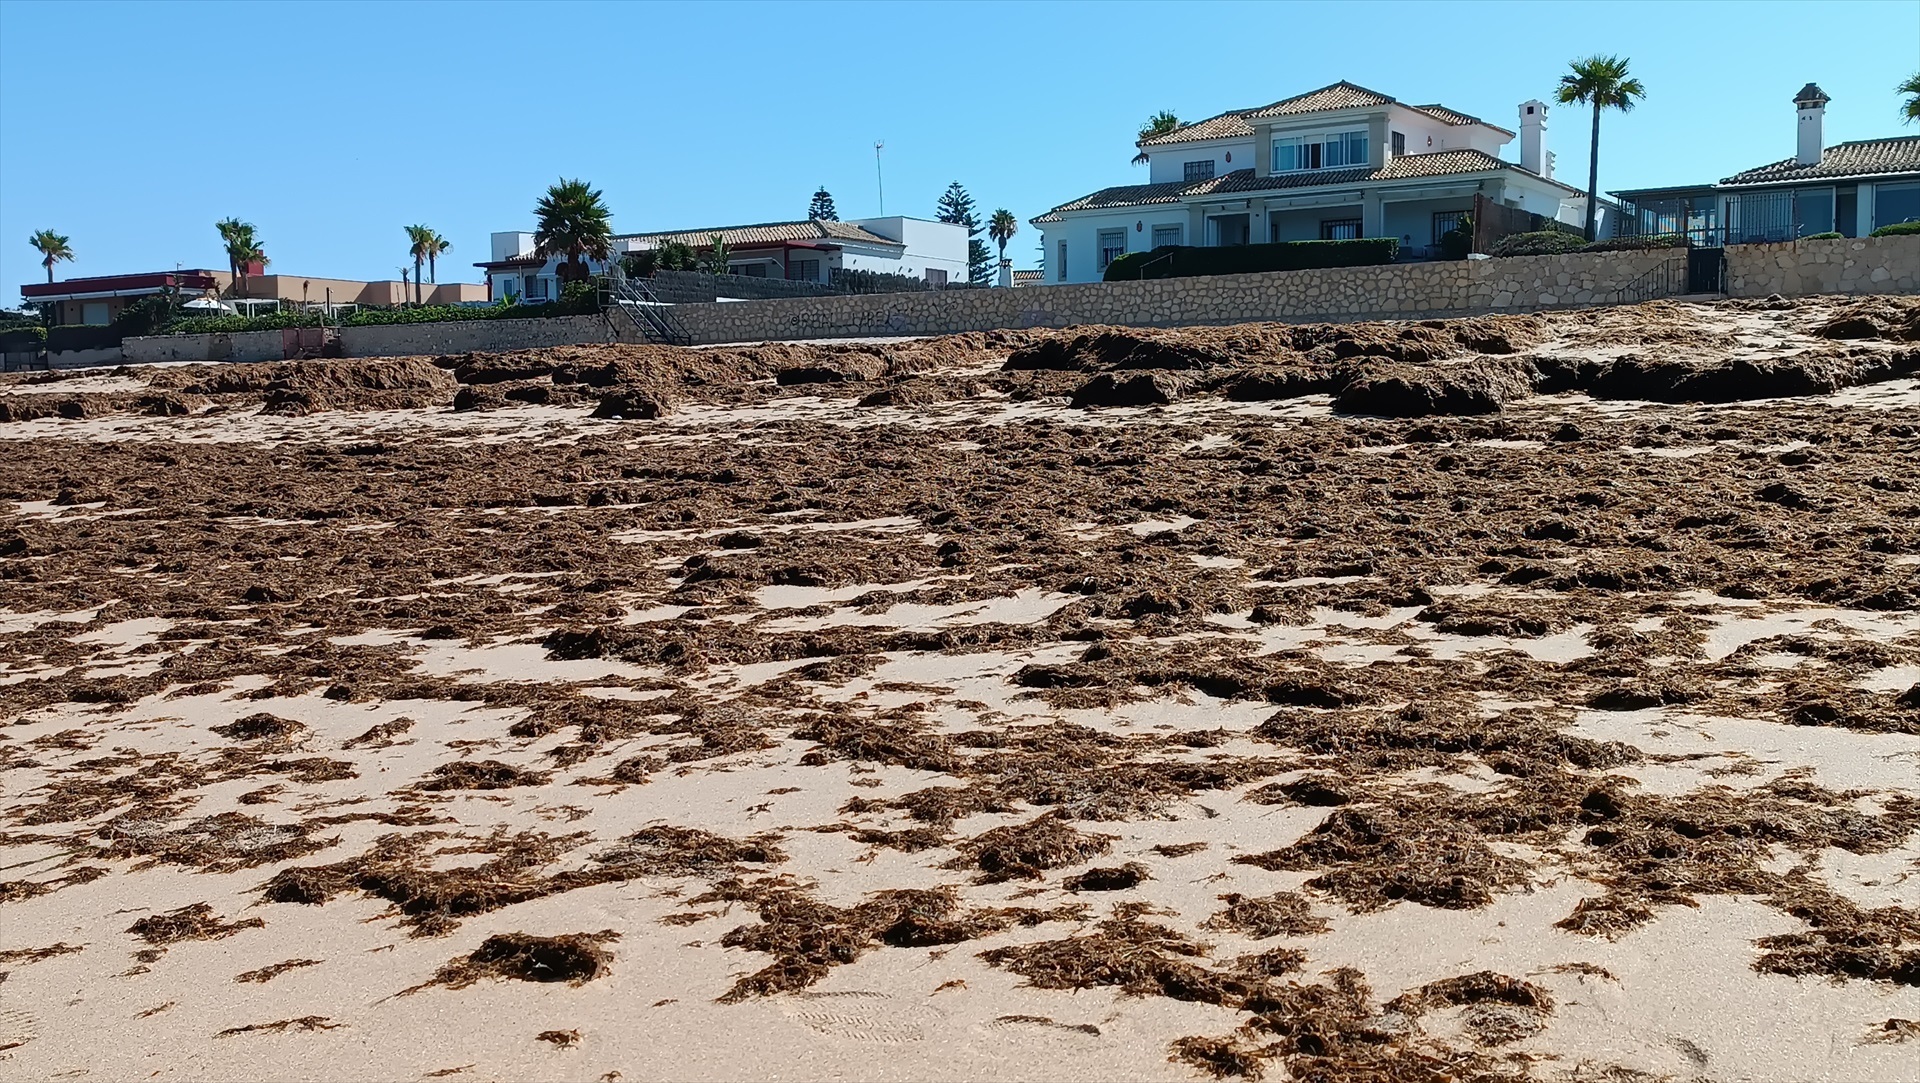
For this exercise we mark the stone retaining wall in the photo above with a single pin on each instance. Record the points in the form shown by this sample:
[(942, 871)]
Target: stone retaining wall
[(1396, 291), (1847, 265)]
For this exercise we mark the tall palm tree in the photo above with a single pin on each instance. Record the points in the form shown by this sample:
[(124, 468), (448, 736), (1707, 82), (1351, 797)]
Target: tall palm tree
[(422, 239), (436, 247), (1910, 110), (1001, 227), (1602, 82), (1158, 124), (230, 229), (53, 248), (571, 220)]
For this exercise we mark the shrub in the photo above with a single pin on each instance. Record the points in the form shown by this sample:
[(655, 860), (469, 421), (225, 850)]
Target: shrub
[(1546, 242), (23, 337), (82, 336), (854, 280), (1186, 261), (576, 299), (1457, 243), (1832, 235), (1636, 244), (1898, 229)]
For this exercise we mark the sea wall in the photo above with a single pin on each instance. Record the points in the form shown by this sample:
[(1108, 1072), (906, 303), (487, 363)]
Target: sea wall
[(1846, 265)]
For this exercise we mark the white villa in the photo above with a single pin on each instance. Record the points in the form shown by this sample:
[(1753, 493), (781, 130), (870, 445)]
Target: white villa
[(805, 251), (1337, 163)]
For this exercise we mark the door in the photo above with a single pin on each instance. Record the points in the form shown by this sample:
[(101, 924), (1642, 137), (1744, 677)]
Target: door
[(1706, 270)]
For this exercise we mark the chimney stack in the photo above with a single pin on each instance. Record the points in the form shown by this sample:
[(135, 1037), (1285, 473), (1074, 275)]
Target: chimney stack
[(1812, 105), (1533, 139)]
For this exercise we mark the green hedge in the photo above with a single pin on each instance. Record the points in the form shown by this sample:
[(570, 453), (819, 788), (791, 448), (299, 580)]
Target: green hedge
[(1829, 236), (23, 338), (1636, 244), (82, 336), (1546, 242), (1187, 261), (578, 299), (1898, 229)]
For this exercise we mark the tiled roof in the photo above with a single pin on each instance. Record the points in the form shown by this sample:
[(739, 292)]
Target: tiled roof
[(1341, 95), (1444, 163), (1027, 276), (764, 233), (1238, 123), (1863, 158)]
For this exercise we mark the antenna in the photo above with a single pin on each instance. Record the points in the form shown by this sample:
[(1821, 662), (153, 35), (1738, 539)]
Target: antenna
[(879, 177)]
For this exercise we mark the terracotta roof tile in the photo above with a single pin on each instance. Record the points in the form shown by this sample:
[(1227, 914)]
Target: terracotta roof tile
[(1341, 95), (765, 233), (1410, 166), (1224, 126), (1238, 123), (1863, 158)]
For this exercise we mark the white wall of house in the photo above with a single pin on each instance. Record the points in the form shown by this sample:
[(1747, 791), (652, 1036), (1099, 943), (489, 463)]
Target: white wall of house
[(1139, 225), (930, 245), (1168, 165)]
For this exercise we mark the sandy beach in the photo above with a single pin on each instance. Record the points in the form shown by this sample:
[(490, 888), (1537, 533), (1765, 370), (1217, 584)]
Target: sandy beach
[(1509, 698)]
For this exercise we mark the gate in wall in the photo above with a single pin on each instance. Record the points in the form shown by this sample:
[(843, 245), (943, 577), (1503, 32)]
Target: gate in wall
[(1706, 270)]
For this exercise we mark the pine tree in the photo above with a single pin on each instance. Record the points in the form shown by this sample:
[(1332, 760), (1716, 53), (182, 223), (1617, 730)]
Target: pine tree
[(956, 207), (821, 209)]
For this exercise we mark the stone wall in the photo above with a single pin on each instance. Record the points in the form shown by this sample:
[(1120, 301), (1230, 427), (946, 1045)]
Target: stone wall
[(84, 359), (465, 336), (1522, 283), (1396, 291), (1845, 265)]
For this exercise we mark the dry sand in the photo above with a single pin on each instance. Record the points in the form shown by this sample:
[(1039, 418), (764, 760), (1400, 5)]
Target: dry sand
[(873, 711)]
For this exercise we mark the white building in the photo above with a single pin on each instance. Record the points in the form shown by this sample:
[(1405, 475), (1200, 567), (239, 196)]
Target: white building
[(807, 251), (1337, 163)]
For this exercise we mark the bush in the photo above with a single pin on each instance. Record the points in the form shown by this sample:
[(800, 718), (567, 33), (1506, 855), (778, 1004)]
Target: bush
[(1832, 235), (1546, 242), (1457, 243), (576, 299), (82, 336), (1898, 229), (1186, 261), (23, 337), (854, 280), (1636, 244)]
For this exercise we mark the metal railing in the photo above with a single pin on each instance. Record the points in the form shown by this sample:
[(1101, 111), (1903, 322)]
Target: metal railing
[(1666, 279), (636, 302)]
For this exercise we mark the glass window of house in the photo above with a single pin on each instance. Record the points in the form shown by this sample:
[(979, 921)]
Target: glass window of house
[(1294, 153), (1113, 245), (1895, 203), (1166, 235), (1060, 272), (1813, 210), (1345, 149), (1199, 171)]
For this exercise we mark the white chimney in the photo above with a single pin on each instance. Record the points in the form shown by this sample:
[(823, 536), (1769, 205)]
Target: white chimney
[(1812, 104), (1533, 139)]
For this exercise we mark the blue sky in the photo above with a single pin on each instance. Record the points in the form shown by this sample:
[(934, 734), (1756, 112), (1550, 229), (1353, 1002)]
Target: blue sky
[(332, 126)]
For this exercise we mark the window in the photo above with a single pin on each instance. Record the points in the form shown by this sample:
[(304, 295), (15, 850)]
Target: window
[(536, 288), (1340, 229), (1199, 171), (1113, 245), (1335, 151), (1445, 222), (1399, 144), (1895, 203), (936, 278), (509, 287), (803, 270), (94, 312), (1060, 273), (748, 270), (1166, 235), (1813, 210)]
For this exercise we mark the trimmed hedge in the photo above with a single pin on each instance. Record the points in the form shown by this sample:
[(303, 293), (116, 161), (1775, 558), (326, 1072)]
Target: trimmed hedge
[(82, 336), (578, 299), (1546, 242), (1636, 244), (1898, 229), (1187, 261), (23, 338), (1829, 236)]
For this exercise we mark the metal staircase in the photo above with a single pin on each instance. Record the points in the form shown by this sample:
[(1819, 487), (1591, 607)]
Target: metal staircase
[(632, 300)]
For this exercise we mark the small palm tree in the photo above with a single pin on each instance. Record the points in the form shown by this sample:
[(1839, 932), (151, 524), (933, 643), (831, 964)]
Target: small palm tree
[(1910, 110), (421, 238), (1602, 82), (243, 249), (1001, 227), (1158, 124), (229, 229), (53, 248), (571, 221)]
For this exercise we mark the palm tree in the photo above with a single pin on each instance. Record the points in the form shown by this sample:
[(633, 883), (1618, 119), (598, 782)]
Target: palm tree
[(1910, 111), (1158, 124), (1001, 227), (53, 248), (572, 221), (1603, 82), (230, 229), (436, 247), (421, 237)]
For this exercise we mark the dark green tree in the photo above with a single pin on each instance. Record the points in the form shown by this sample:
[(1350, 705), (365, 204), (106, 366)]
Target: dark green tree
[(571, 221), (957, 207), (1602, 82), (821, 209)]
